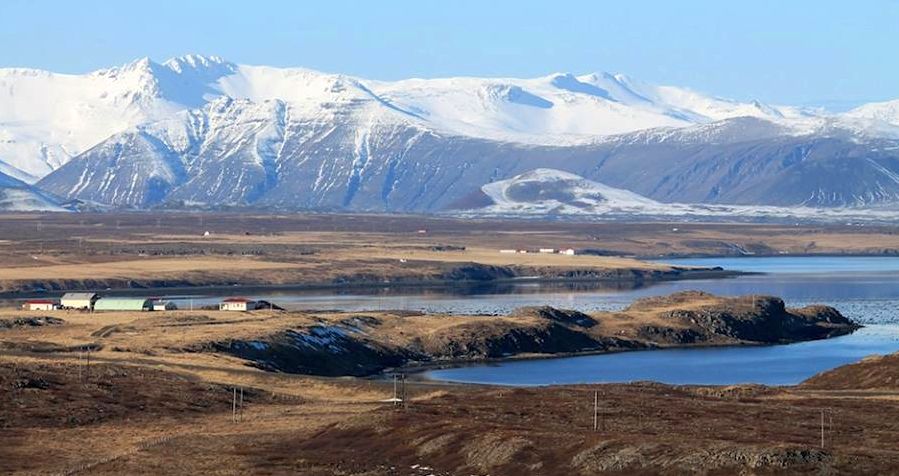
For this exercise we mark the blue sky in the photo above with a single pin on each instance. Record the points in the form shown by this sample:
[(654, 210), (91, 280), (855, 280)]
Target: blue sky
[(834, 53)]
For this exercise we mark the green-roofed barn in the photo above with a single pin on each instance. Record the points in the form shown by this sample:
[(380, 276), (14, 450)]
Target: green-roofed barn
[(123, 304)]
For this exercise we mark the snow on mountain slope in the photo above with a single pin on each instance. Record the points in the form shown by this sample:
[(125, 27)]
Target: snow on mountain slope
[(561, 108), (47, 118), (555, 193), (887, 111), (27, 200), (16, 195)]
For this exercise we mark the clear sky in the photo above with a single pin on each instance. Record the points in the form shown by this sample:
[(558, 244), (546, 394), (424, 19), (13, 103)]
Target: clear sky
[(823, 52)]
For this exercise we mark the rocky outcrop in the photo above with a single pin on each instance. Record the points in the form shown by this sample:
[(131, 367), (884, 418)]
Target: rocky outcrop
[(564, 316), (757, 319), (359, 345), (36, 321)]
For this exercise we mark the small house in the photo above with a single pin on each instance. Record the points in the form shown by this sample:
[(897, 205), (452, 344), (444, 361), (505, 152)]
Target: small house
[(78, 300), (238, 304), (508, 251), (39, 305), (123, 304), (567, 251), (164, 306), (547, 250)]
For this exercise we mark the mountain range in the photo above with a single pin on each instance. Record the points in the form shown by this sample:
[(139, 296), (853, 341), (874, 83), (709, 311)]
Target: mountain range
[(199, 131)]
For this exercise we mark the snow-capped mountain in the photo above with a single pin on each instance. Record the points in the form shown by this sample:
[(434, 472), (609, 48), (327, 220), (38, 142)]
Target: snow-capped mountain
[(47, 118), (17, 196), (555, 193), (201, 131)]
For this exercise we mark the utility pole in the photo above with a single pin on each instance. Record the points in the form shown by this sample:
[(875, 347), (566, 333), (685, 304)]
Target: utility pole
[(595, 410), (233, 404), (822, 428), (395, 401)]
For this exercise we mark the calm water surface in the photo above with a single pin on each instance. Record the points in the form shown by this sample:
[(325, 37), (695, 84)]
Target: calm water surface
[(865, 289)]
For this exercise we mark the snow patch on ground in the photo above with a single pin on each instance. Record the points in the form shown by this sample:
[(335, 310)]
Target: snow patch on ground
[(559, 193)]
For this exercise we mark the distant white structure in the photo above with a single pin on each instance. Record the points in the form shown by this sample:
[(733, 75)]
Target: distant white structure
[(78, 300), (238, 304), (547, 250), (39, 305), (164, 306), (567, 251), (508, 251)]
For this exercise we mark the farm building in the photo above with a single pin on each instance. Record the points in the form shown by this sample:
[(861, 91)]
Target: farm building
[(39, 305), (164, 306), (238, 304), (569, 252), (78, 300), (547, 250), (123, 304)]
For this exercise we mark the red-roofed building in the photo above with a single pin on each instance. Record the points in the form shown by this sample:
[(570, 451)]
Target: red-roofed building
[(39, 305), (238, 304)]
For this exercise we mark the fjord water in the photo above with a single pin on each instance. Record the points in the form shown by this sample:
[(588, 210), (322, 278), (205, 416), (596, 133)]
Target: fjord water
[(865, 289)]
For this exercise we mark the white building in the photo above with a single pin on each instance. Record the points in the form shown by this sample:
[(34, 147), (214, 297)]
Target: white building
[(508, 251), (568, 251), (39, 305), (238, 304), (164, 306), (547, 250), (78, 300)]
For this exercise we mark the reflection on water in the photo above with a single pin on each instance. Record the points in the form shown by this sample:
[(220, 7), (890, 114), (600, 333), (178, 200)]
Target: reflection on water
[(770, 365), (865, 289)]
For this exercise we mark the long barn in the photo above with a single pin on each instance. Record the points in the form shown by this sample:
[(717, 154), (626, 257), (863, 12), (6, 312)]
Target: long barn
[(124, 304)]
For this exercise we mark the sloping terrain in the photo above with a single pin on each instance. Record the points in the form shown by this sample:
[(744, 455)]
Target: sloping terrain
[(156, 396), (339, 344), (553, 193), (18, 196), (872, 373)]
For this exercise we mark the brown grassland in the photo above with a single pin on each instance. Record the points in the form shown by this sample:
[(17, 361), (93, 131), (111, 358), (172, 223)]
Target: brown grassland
[(152, 397)]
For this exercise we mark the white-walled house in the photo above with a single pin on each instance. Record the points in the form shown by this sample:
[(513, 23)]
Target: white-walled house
[(39, 305), (238, 304), (568, 251)]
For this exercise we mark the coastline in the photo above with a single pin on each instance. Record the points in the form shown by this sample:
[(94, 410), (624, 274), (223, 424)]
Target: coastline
[(418, 371), (130, 286)]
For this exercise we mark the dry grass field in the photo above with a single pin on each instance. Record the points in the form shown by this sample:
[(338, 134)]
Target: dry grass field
[(156, 395), (143, 402), (68, 251)]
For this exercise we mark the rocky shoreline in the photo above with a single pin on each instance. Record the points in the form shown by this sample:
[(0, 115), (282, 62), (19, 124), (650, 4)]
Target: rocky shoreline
[(469, 274), (365, 345)]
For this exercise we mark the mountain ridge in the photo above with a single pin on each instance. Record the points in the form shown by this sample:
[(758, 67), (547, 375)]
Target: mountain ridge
[(201, 131)]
